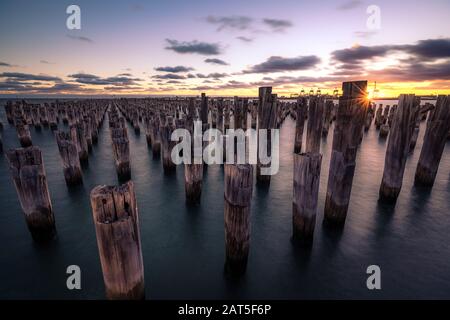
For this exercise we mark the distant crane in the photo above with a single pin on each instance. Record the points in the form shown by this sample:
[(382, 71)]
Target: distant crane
[(335, 92), (375, 91)]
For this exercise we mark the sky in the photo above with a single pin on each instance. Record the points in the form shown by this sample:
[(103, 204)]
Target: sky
[(224, 47)]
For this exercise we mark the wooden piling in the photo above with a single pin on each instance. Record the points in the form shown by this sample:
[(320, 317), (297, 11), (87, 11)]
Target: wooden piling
[(116, 221), (398, 146), (327, 117), (121, 150), (306, 190), (167, 144), (301, 108), (267, 117), (351, 112), (438, 128), (23, 132), (69, 155), (315, 123), (238, 194), (28, 174), (307, 175)]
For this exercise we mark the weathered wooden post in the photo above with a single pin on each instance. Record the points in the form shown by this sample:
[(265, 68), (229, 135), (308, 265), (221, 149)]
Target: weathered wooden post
[(301, 109), (267, 117), (204, 109), (327, 116), (306, 190), (307, 175), (28, 173), (116, 221), (121, 150), (156, 137), (315, 123), (193, 176), (193, 172), (238, 194), (69, 155), (9, 111), (398, 147), (167, 145), (79, 138), (220, 114), (384, 130), (351, 112), (438, 128), (23, 132), (379, 116)]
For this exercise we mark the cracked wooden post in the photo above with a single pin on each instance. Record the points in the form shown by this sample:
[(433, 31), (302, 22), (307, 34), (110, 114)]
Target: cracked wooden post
[(79, 138), (204, 109), (300, 123), (398, 147), (167, 145), (193, 176), (226, 117), (23, 132), (69, 156), (315, 122), (28, 173), (327, 117), (9, 112), (306, 190), (121, 150), (238, 194), (267, 117), (437, 131), (156, 136), (220, 114), (238, 110), (379, 116), (193, 172), (307, 176), (254, 114), (351, 112), (116, 221)]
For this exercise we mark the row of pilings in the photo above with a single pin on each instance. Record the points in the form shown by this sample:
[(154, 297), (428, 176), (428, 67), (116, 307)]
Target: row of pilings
[(115, 209)]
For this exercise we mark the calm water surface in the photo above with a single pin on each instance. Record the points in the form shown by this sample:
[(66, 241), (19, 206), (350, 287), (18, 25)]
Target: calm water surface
[(183, 247)]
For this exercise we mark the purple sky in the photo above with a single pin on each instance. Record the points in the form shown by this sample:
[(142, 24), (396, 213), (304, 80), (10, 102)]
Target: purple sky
[(184, 47)]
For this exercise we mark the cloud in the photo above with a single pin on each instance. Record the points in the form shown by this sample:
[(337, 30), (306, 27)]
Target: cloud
[(280, 64), (80, 38), (234, 22), (424, 49), (28, 77), (216, 61), (190, 76), (171, 76), (352, 4), (174, 69), (195, 46), (277, 25), (119, 80), (4, 64), (46, 62), (214, 75), (426, 60), (431, 48), (244, 39), (174, 81), (358, 53)]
